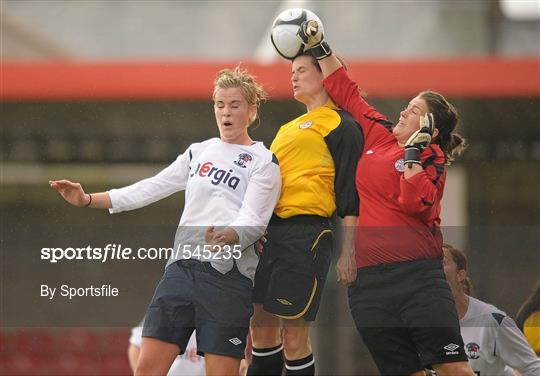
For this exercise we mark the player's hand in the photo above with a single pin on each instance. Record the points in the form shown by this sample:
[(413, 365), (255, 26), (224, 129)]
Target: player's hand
[(215, 239), (71, 192), (422, 137), (419, 140), (346, 269), (311, 35), (259, 244)]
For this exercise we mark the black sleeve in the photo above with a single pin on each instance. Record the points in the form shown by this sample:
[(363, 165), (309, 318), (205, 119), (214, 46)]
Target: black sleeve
[(346, 143)]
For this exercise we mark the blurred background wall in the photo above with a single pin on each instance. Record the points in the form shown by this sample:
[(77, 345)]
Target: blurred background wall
[(108, 92)]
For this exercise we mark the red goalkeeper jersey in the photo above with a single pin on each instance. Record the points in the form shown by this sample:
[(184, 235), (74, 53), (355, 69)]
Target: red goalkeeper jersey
[(399, 218)]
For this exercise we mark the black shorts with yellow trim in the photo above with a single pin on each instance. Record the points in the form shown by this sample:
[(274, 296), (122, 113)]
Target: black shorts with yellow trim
[(293, 266)]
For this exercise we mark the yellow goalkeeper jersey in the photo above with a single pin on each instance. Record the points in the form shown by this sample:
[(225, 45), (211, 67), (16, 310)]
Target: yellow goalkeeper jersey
[(318, 153)]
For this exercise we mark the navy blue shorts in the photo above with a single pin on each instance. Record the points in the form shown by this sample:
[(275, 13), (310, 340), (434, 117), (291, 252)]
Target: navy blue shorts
[(192, 295), (406, 316)]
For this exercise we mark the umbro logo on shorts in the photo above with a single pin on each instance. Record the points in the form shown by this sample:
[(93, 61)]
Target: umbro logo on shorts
[(235, 341), (451, 347), (284, 301)]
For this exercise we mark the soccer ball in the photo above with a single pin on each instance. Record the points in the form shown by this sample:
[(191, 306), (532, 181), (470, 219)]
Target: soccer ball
[(284, 30)]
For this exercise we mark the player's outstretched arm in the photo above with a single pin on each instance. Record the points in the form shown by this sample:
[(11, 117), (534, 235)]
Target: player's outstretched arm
[(75, 195)]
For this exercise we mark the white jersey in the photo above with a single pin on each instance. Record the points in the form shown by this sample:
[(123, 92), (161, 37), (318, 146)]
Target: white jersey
[(187, 364), (226, 185), (494, 344)]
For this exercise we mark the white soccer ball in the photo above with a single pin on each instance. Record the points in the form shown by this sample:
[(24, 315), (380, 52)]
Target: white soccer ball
[(284, 30)]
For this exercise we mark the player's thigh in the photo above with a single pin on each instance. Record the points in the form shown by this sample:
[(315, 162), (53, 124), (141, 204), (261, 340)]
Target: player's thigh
[(156, 357), (219, 365)]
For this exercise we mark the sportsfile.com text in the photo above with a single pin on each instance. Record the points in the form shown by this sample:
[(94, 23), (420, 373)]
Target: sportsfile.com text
[(118, 252)]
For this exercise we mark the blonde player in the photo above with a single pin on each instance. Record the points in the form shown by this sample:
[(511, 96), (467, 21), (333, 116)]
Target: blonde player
[(232, 185)]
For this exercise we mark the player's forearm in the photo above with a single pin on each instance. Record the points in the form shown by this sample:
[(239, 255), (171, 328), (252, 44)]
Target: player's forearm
[(349, 230), (100, 200), (329, 65)]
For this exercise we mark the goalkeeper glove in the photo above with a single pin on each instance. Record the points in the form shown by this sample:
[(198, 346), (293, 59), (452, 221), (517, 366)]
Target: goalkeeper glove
[(311, 36), (419, 140)]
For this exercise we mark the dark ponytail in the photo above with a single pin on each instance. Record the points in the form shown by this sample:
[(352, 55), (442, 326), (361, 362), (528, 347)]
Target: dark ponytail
[(461, 262), (446, 120)]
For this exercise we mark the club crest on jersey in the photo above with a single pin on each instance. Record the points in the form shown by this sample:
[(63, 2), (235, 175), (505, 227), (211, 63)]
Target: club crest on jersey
[(306, 124), (218, 175), (472, 349), (243, 159), (400, 165)]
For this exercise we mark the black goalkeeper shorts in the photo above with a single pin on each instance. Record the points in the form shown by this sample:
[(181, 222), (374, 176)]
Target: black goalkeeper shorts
[(406, 316), (293, 266)]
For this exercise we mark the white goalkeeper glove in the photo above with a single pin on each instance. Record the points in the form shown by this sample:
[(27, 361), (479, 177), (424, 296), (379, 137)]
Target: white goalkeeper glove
[(419, 140), (311, 36)]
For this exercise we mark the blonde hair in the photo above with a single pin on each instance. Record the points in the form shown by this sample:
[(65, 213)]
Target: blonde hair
[(252, 92)]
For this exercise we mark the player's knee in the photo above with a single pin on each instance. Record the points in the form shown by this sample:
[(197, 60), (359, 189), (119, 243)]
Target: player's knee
[(295, 341), (265, 337), (265, 330), (454, 369)]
